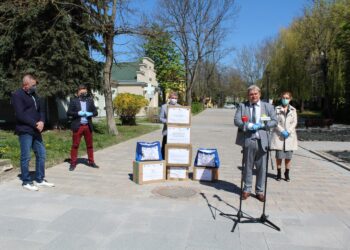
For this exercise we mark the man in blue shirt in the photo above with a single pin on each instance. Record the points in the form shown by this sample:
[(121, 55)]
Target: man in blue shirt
[(30, 119)]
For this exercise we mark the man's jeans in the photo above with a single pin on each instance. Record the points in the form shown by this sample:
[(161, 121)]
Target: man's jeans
[(35, 142)]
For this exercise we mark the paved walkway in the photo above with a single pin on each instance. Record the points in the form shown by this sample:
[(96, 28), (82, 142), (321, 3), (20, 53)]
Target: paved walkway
[(103, 209)]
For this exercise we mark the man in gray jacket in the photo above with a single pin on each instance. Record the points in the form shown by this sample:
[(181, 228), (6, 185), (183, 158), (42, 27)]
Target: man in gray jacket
[(163, 118), (252, 136)]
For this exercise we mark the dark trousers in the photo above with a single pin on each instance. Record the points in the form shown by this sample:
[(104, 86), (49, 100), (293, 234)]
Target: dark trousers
[(83, 130), (163, 146)]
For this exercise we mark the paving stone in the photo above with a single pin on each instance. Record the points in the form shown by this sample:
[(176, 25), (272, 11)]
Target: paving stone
[(103, 208)]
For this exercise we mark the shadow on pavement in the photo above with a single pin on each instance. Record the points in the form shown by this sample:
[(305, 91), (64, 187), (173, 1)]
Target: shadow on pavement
[(223, 185)]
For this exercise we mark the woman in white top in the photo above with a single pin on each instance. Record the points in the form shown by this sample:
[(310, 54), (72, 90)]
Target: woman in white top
[(284, 138)]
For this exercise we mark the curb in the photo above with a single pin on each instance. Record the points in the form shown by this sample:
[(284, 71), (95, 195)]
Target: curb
[(328, 157)]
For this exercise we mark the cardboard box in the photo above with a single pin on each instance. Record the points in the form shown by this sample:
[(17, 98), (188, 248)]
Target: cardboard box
[(205, 174), (177, 173), (178, 134), (178, 155), (149, 171), (179, 115)]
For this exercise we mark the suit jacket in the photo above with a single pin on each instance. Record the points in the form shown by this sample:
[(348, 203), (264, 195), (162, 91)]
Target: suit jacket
[(27, 111), (164, 116), (75, 107), (244, 110)]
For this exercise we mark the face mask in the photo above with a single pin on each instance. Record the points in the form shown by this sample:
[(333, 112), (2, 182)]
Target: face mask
[(83, 95), (173, 101), (285, 102), (32, 90)]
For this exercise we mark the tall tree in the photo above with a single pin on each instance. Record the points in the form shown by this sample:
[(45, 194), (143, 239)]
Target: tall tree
[(46, 39), (162, 50), (198, 28), (109, 18)]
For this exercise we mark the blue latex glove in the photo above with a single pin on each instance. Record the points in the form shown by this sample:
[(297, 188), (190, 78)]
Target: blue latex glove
[(255, 127), (259, 125), (82, 113), (285, 134), (88, 114)]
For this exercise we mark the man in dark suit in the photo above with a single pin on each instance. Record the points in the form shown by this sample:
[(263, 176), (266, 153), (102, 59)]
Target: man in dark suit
[(81, 110), (30, 118), (255, 140)]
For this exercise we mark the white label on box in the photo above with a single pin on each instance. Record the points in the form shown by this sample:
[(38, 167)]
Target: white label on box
[(179, 115), (203, 174), (178, 135), (177, 172), (153, 172), (178, 156)]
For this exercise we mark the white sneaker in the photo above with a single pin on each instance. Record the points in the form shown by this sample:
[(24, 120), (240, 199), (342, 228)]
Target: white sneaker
[(44, 183), (30, 187)]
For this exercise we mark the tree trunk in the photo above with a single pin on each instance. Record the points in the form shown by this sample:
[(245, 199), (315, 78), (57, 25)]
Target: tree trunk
[(112, 129), (302, 106), (53, 119), (189, 96)]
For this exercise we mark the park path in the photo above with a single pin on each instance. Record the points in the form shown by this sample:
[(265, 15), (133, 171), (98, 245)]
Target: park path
[(103, 209)]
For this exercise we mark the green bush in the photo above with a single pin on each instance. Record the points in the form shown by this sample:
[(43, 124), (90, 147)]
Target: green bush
[(127, 106), (197, 107)]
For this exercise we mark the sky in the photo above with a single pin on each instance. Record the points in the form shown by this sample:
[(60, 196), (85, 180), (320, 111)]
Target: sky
[(256, 21)]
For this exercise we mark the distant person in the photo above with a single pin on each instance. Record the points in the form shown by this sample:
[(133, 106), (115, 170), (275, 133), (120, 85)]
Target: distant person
[(163, 117), (81, 110), (284, 137), (255, 140), (30, 118)]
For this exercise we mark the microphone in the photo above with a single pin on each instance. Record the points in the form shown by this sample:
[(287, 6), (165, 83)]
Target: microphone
[(245, 120), (265, 119)]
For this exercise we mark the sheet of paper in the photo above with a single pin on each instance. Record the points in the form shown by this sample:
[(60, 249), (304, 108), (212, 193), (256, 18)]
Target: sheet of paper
[(178, 156), (177, 172), (178, 135), (203, 174), (153, 172), (179, 115)]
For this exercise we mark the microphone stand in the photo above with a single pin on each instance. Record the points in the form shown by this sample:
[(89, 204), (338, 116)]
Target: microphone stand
[(239, 214), (264, 218)]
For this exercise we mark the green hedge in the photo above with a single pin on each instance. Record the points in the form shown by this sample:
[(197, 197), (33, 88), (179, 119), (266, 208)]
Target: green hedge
[(197, 107)]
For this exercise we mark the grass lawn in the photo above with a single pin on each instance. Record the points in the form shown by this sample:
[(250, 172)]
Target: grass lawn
[(58, 142), (309, 114)]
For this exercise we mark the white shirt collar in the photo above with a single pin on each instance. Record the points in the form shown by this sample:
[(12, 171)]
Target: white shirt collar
[(257, 104)]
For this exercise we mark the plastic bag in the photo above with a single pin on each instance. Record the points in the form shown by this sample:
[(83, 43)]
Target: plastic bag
[(148, 151)]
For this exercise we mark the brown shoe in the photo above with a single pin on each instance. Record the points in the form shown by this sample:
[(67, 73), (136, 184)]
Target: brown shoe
[(260, 197), (245, 195)]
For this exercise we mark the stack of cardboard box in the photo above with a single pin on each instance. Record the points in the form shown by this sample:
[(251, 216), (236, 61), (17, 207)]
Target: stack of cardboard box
[(149, 171), (206, 166), (178, 150)]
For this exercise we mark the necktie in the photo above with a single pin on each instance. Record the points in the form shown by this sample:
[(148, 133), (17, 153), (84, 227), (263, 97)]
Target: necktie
[(254, 114)]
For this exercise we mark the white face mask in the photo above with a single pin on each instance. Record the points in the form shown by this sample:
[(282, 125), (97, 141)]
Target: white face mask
[(173, 101)]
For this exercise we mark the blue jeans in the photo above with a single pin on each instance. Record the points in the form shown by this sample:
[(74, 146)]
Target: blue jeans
[(35, 142)]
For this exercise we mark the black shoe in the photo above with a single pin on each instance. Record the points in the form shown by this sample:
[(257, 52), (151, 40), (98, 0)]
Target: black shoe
[(278, 178), (93, 165), (286, 175), (72, 167)]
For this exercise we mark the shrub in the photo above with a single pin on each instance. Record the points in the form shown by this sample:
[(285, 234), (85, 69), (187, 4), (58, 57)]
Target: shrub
[(127, 106), (197, 107)]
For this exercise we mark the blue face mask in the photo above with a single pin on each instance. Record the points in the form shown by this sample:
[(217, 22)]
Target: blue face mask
[(285, 102)]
